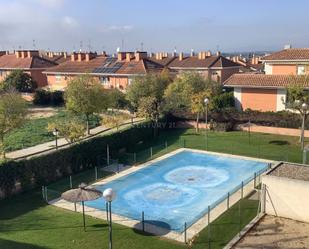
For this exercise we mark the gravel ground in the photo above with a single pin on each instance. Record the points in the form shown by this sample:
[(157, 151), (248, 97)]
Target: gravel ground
[(292, 171), (274, 233)]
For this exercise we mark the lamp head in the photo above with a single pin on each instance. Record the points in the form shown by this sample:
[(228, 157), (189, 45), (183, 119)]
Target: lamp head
[(206, 101), (109, 195), (304, 106)]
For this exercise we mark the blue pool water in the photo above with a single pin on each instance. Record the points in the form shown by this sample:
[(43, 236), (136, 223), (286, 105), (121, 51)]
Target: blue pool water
[(178, 189)]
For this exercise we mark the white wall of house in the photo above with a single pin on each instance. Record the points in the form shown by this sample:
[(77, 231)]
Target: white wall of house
[(286, 198), (281, 99), (237, 96), (268, 68)]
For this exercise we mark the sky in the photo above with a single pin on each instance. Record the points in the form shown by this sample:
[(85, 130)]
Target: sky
[(154, 25)]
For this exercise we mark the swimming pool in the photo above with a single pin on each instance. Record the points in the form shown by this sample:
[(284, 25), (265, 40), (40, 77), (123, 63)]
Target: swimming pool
[(179, 188)]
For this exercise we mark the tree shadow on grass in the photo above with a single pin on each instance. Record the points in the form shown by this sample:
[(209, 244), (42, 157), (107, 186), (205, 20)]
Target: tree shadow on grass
[(279, 142), (9, 244), (160, 227)]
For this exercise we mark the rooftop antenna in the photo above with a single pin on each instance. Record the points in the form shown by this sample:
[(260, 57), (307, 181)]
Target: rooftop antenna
[(142, 46), (175, 49), (80, 46), (89, 45), (122, 45), (218, 47), (33, 44)]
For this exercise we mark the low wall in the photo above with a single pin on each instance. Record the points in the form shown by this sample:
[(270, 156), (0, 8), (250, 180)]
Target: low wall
[(286, 198), (272, 130)]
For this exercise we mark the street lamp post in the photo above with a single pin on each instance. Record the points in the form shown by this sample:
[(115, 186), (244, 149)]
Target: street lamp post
[(206, 102), (109, 195), (304, 108), (56, 133)]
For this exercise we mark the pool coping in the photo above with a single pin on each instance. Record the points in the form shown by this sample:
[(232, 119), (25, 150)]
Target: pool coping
[(191, 231)]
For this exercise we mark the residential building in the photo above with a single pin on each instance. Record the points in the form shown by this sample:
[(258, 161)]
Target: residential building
[(267, 92), (290, 61), (27, 60), (213, 67), (112, 72)]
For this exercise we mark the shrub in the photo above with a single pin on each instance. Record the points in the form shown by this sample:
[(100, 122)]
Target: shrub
[(47, 168), (45, 97), (20, 81), (224, 100)]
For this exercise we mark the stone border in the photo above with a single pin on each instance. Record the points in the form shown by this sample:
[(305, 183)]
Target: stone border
[(244, 232), (194, 229)]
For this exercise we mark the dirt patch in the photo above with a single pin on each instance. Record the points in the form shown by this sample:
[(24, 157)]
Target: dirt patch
[(35, 113), (275, 232)]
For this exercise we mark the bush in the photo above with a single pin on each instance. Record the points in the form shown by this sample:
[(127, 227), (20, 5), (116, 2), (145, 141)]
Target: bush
[(224, 100), (20, 81), (45, 97), (44, 169)]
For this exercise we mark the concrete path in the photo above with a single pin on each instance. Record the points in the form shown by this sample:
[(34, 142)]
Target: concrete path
[(50, 146)]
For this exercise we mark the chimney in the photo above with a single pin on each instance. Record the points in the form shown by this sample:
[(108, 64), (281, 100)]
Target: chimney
[(287, 46), (18, 54), (208, 54), (73, 56), (140, 55), (121, 56), (128, 57), (192, 52), (218, 53), (90, 56), (104, 53), (150, 54), (23, 54), (65, 55), (80, 57), (180, 56), (202, 55)]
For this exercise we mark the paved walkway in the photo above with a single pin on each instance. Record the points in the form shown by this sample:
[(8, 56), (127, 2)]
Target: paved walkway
[(50, 146)]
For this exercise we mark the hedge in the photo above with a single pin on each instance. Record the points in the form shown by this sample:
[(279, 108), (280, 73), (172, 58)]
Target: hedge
[(233, 117), (46, 97), (44, 169)]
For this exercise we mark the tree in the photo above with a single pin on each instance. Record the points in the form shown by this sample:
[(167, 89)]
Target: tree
[(188, 92), (117, 99), (72, 130), (20, 81), (85, 96), (298, 99), (147, 93), (114, 120), (13, 111)]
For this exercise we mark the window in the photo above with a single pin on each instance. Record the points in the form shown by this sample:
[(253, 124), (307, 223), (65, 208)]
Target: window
[(104, 80), (58, 78), (301, 70)]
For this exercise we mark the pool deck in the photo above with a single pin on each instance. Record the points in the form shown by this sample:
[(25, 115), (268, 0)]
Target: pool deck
[(192, 230)]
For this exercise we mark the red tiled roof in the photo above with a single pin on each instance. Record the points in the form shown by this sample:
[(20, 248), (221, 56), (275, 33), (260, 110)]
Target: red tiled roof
[(11, 62), (209, 62), (289, 54), (124, 67), (263, 80)]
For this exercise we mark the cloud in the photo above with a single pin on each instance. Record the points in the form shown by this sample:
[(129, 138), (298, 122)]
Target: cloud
[(51, 3), (69, 22), (117, 28)]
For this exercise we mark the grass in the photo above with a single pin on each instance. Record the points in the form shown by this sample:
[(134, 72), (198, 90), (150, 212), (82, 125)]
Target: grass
[(258, 145), (27, 222), (34, 132)]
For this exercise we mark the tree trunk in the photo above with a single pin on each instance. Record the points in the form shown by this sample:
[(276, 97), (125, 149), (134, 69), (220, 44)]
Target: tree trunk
[(87, 124), (2, 145), (197, 122)]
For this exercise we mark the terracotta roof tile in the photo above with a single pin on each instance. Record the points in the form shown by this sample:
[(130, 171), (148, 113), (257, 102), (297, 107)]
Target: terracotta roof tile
[(262, 80), (195, 62), (120, 67), (11, 62), (289, 54)]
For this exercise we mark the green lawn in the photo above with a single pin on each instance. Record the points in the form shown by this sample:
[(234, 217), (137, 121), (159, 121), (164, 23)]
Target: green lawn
[(34, 132), (27, 222)]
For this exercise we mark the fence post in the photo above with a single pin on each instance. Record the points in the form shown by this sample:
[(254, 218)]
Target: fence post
[(75, 206), (134, 157), (254, 179), (184, 143), (166, 145), (43, 193), (96, 173), (107, 154), (46, 195), (242, 190), (150, 152), (239, 212), (71, 182), (185, 232), (228, 200), (143, 221), (208, 227)]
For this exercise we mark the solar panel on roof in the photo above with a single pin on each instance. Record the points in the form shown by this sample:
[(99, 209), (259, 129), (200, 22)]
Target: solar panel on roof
[(108, 69)]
